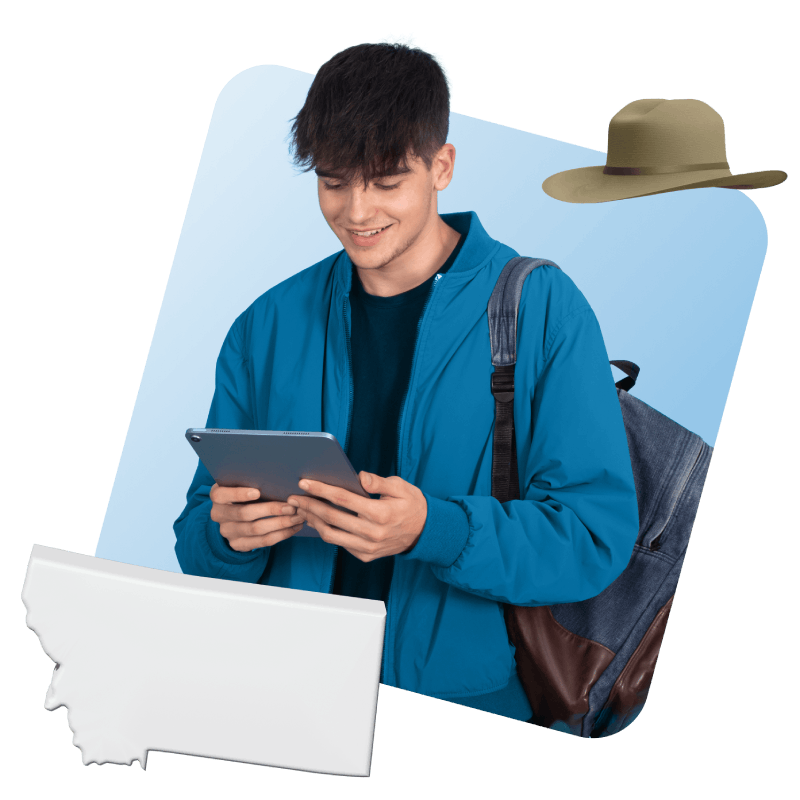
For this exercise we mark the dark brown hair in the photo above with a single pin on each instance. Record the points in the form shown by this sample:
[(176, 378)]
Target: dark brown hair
[(370, 108)]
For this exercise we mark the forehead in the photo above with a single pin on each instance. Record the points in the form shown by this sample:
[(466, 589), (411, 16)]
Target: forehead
[(347, 175)]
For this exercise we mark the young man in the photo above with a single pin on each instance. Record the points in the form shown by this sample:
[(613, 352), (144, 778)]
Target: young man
[(385, 344)]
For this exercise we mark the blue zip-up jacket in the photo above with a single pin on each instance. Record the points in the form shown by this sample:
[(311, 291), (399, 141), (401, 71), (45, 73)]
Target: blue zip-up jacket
[(285, 365)]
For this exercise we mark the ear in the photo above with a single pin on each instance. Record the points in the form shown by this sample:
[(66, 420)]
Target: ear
[(443, 165)]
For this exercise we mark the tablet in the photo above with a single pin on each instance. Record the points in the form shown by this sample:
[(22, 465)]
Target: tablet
[(274, 462)]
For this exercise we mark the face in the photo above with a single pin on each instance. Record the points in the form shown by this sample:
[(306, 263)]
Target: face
[(386, 222)]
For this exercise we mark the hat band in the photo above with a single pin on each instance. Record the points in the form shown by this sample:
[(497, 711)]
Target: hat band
[(663, 170)]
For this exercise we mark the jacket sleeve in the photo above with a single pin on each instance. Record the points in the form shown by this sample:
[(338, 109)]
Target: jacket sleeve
[(573, 531), (200, 547)]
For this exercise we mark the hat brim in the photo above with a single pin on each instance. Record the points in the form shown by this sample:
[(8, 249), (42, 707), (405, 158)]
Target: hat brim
[(591, 185)]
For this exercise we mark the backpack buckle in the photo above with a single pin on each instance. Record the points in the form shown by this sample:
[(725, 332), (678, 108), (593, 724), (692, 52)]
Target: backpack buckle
[(503, 384)]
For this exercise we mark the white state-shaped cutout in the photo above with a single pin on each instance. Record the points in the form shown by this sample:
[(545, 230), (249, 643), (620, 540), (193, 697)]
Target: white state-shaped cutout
[(152, 660)]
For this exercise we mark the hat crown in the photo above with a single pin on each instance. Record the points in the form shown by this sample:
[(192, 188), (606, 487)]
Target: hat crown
[(665, 133)]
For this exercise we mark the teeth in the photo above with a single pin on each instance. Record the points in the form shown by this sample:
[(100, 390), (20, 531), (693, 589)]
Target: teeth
[(369, 233)]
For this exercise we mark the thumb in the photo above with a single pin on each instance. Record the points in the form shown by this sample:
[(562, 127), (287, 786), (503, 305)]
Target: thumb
[(373, 483)]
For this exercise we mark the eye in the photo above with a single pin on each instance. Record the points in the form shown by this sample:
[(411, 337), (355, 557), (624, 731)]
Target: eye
[(386, 187), (332, 186)]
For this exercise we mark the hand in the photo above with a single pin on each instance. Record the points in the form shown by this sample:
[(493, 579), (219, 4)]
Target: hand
[(383, 527), (247, 525)]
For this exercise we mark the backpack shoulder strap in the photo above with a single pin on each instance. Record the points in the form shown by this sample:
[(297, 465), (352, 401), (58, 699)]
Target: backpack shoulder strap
[(504, 304), (502, 310)]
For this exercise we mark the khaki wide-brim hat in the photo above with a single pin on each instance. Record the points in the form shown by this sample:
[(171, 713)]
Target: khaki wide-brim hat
[(657, 146)]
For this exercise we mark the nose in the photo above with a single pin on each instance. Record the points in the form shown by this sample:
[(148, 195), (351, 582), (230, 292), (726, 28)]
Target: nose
[(359, 205)]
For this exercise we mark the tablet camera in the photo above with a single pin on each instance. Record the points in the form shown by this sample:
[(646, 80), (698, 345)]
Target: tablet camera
[(195, 438)]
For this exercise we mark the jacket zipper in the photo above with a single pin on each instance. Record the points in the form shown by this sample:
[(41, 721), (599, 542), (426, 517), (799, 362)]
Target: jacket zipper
[(397, 455), (349, 416), (399, 426)]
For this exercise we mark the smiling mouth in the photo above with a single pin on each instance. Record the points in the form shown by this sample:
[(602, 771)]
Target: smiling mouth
[(373, 232)]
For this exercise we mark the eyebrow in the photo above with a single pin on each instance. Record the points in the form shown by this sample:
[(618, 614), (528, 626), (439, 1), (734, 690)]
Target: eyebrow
[(322, 173)]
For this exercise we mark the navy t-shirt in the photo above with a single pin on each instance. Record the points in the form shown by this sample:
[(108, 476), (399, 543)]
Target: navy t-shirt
[(383, 332)]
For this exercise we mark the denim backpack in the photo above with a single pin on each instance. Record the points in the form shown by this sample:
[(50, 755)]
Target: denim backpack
[(586, 667)]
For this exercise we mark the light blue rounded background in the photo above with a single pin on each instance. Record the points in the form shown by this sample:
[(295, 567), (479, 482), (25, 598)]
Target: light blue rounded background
[(671, 279)]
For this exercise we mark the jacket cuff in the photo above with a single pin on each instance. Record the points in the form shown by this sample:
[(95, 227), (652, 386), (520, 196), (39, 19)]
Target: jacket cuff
[(445, 533)]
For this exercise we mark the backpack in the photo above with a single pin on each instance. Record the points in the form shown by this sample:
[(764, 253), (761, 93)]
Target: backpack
[(586, 667)]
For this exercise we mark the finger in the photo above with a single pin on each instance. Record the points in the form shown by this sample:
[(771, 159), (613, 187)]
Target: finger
[(233, 494), (248, 543), (332, 523), (270, 539), (337, 495), (316, 512), (349, 539), (247, 512), (260, 527)]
